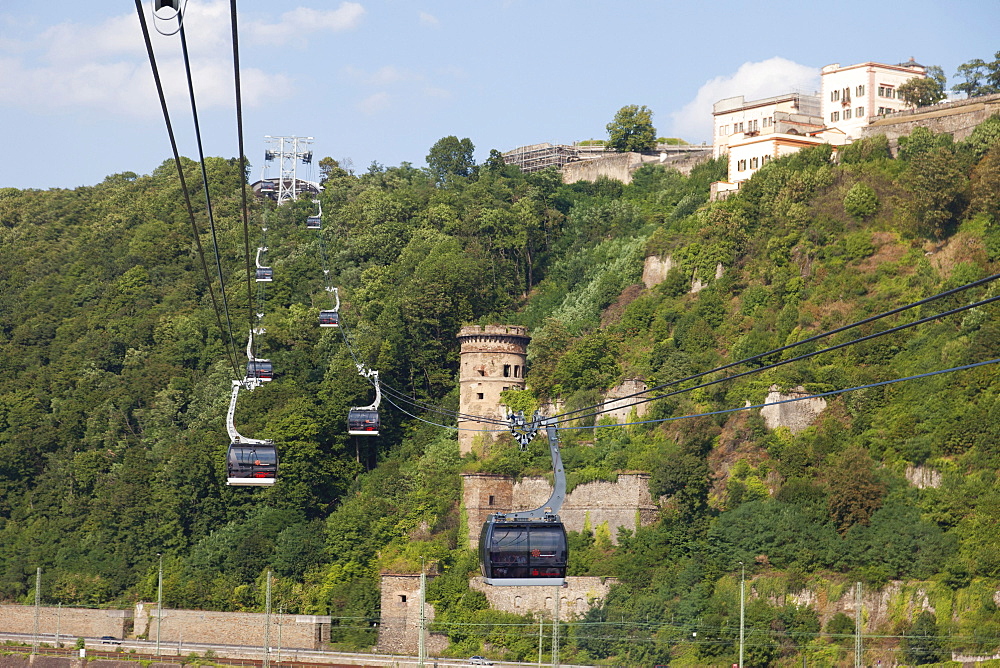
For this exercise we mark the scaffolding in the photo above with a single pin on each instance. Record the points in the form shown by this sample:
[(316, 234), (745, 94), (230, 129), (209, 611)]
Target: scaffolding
[(537, 157)]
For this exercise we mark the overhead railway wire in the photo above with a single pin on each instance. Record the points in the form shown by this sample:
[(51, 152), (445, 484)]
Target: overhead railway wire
[(230, 348), (564, 417)]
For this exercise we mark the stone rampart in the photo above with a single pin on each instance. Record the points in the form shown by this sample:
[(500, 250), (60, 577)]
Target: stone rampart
[(624, 503), (578, 596), (619, 408), (232, 628), (76, 622), (958, 118), (796, 415)]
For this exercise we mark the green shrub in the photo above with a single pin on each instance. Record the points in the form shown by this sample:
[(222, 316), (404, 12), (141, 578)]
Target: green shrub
[(861, 201)]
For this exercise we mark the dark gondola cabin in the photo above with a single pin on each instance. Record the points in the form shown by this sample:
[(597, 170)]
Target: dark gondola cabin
[(265, 274), (526, 552), (362, 422), (267, 186), (260, 369), (252, 464), (313, 222), (329, 319)]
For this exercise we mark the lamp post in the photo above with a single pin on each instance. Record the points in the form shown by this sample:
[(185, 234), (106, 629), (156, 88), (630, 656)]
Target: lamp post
[(159, 602), (743, 574)]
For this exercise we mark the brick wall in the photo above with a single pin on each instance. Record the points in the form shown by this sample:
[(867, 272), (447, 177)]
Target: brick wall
[(76, 622), (620, 504), (232, 628)]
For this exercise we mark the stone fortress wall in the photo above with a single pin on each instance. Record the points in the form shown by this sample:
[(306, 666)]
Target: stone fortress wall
[(197, 626), (624, 503)]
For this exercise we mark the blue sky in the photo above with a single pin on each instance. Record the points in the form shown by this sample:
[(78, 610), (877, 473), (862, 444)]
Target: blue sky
[(382, 80)]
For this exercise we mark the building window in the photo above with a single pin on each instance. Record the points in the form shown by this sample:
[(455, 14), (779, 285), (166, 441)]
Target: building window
[(492, 499), (479, 395), (835, 96), (847, 113), (752, 126), (847, 94), (859, 112), (887, 91), (754, 162), (768, 121), (764, 159), (835, 116), (860, 90), (741, 165), (402, 598), (506, 371), (517, 371)]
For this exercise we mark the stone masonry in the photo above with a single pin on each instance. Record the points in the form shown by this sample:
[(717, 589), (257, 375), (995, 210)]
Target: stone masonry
[(75, 622), (796, 415), (493, 359), (578, 596), (625, 503), (232, 628), (618, 408), (399, 628), (958, 118)]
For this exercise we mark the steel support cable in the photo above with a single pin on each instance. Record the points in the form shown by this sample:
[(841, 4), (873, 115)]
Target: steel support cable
[(243, 165), (180, 174), (204, 179), (838, 346), (810, 339), (818, 395), (404, 397)]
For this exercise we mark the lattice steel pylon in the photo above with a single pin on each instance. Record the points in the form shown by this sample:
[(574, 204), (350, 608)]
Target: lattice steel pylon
[(288, 151)]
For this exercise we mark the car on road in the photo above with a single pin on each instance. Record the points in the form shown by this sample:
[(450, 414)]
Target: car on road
[(479, 661), (110, 640)]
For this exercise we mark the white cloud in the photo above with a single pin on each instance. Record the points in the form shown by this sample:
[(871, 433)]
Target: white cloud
[(429, 20), (76, 66), (753, 81), (302, 21), (374, 104)]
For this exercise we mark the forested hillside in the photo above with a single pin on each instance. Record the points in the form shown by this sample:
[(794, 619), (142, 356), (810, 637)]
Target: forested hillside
[(116, 383)]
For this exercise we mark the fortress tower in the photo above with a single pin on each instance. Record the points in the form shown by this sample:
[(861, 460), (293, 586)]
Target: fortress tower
[(492, 360)]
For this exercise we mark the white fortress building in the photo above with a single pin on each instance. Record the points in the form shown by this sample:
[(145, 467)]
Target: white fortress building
[(754, 132), (855, 95)]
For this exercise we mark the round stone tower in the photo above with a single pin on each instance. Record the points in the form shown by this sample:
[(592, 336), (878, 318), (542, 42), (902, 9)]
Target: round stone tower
[(492, 360)]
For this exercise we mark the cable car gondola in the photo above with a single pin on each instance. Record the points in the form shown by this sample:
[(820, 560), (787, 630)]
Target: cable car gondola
[(264, 274), (329, 319), (364, 420), (267, 186), (529, 552), (252, 463), (315, 222), (528, 548), (260, 369)]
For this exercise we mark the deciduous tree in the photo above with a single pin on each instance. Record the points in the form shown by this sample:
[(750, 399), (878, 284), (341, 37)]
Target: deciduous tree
[(632, 129)]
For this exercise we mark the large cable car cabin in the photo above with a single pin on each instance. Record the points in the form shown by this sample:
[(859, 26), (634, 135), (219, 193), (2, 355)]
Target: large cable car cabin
[(329, 319), (362, 422), (528, 547), (260, 370), (523, 552), (267, 186), (265, 274), (252, 464), (314, 222)]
